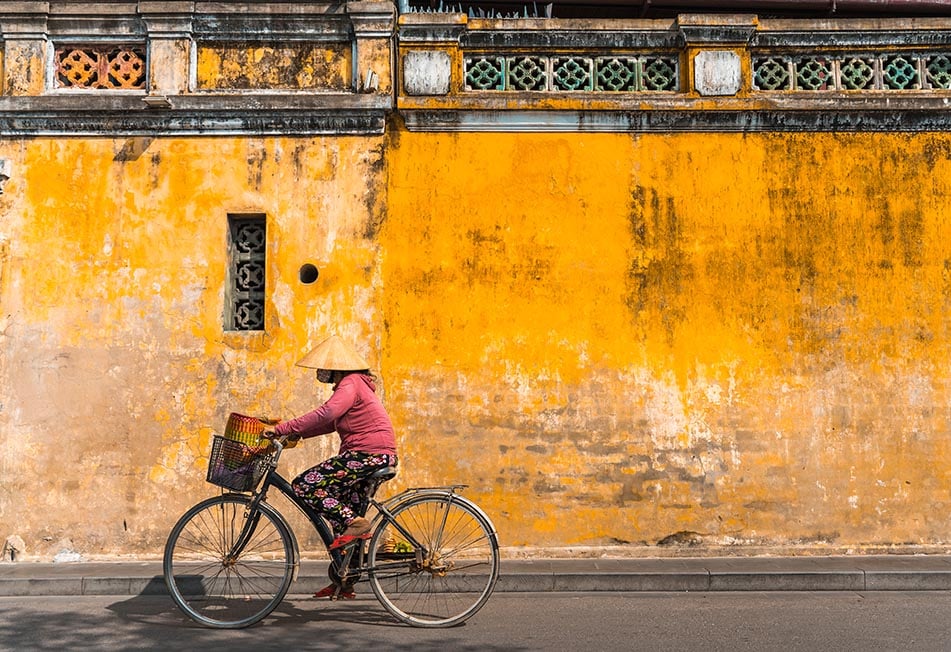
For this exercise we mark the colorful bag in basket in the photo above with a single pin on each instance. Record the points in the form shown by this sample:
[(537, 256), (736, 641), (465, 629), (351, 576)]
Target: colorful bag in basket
[(245, 429)]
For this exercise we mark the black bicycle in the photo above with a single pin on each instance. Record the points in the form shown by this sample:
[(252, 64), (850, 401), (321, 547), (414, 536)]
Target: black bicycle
[(432, 559)]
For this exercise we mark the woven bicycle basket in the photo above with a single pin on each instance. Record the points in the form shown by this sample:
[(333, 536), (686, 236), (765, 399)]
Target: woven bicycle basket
[(236, 466)]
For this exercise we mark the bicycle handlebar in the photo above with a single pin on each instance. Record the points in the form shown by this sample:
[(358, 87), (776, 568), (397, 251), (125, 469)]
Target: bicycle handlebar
[(280, 443)]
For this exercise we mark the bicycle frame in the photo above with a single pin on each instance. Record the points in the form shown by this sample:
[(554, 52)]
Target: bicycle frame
[(341, 559), (274, 479)]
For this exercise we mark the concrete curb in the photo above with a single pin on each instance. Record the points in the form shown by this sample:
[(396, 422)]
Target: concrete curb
[(881, 573)]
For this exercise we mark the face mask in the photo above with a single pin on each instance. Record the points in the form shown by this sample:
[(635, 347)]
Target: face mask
[(324, 375)]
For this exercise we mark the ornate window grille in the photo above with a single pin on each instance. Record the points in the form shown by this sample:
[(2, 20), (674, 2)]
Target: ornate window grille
[(571, 73), (102, 67), (246, 272), (853, 72)]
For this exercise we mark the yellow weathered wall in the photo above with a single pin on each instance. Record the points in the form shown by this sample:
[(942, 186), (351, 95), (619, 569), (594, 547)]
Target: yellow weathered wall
[(615, 338), (273, 66), (116, 370), (611, 338)]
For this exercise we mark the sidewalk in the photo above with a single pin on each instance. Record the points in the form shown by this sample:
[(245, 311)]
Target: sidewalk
[(839, 573)]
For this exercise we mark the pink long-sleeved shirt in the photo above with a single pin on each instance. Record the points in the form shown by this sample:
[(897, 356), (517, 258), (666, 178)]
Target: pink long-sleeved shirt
[(355, 412)]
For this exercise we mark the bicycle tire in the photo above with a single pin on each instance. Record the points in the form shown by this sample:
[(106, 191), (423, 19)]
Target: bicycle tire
[(455, 577), (229, 594)]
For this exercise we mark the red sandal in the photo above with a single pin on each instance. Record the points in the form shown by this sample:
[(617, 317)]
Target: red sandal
[(345, 539), (358, 528), (335, 593)]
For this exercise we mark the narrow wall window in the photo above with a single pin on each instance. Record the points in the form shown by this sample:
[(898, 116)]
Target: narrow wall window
[(247, 245)]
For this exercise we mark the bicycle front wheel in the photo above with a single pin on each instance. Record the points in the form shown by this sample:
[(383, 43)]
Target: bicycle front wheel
[(224, 571), (435, 563)]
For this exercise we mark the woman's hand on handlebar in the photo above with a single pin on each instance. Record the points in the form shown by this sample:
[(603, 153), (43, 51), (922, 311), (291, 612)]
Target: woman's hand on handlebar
[(269, 431), (289, 441)]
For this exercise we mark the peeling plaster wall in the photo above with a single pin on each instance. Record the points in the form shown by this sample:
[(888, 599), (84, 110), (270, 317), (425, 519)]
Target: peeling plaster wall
[(611, 338), (116, 369), (615, 338), (271, 66)]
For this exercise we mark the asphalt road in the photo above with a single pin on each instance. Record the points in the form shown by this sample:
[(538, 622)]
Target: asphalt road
[(788, 621)]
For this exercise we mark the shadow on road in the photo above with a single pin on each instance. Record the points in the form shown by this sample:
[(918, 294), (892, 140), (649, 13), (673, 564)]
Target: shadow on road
[(147, 619), (154, 606)]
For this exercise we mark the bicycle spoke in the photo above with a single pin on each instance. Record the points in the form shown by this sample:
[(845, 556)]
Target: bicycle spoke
[(450, 579), (221, 586)]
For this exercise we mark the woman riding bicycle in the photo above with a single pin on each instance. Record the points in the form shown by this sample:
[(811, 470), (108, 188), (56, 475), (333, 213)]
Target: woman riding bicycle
[(432, 559), (336, 487)]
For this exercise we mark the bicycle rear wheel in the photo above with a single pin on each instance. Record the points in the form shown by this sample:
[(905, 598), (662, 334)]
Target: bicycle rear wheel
[(217, 584), (453, 572)]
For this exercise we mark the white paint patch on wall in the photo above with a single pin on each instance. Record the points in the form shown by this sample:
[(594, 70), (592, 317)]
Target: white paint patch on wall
[(665, 413), (717, 72), (427, 73)]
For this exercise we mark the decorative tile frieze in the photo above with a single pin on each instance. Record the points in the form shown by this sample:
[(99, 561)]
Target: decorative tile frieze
[(869, 72), (109, 67), (938, 71), (561, 73)]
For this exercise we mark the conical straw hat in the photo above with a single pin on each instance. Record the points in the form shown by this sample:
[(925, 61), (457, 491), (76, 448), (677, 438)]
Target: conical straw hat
[(335, 355)]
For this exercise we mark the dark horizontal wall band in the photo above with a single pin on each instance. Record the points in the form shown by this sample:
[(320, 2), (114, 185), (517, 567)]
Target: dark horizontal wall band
[(84, 27), (319, 27), (270, 123), (310, 123), (574, 40), (838, 39), (678, 121)]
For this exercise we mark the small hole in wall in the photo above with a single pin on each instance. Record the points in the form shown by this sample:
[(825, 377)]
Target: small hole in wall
[(308, 273)]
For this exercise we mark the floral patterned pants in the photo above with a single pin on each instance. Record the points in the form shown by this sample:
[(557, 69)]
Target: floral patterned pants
[(337, 488)]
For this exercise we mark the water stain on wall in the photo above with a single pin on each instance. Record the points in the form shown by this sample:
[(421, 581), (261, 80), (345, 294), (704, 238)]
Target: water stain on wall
[(250, 65), (660, 271)]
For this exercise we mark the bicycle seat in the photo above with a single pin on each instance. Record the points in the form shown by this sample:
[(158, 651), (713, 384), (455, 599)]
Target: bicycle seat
[(384, 474)]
